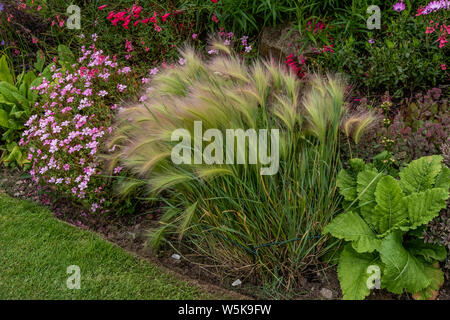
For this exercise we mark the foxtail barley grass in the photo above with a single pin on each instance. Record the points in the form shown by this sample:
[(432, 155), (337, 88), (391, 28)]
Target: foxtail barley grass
[(221, 211)]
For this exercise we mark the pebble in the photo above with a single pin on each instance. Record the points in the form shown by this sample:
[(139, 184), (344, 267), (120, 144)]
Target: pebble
[(236, 283), (326, 293), (176, 256)]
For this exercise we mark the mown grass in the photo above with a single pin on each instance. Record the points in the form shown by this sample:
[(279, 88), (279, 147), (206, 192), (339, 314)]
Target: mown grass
[(36, 249)]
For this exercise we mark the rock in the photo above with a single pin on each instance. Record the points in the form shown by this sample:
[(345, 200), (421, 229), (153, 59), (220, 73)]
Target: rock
[(280, 42), (326, 293)]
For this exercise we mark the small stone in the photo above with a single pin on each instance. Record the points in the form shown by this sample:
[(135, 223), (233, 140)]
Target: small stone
[(326, 293), (176, 256), (236, 283)]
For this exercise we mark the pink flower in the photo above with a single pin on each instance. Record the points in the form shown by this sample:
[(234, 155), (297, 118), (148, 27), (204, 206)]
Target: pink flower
[(399, 6), (121, 87), (194, 36), (429, 30), (443, 66), (102, 7)]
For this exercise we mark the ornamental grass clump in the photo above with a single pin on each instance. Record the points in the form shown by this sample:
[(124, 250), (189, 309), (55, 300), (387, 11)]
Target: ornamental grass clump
[(265, 225)]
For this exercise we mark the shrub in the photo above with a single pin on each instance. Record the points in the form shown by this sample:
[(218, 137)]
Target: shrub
[(265, 225), (413, 128), (66, 132), (16, 102), (147, 32), (438, 232), (405, 55), (383, 222)]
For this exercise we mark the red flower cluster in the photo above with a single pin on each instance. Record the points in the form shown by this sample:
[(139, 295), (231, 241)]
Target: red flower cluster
[(294, 66), (132, 16), (442, 29)]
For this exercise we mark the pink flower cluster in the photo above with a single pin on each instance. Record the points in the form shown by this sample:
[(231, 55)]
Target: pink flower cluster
[(434, 6), (65, 134), (441, 29)]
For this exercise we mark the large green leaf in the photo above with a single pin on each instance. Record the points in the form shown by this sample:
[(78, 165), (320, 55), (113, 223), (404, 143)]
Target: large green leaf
[(402, 271), (351, 227), (431, 252), (443, 179), (25, 83), (5, 73), (420, 174), (66, 57), (4, 117), (352, 273), (424, 206), (390, 210), (366, 185), (347, 185), (12, 94), (436, 277)]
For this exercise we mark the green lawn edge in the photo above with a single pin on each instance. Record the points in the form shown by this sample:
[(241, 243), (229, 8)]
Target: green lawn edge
[(36, 249)]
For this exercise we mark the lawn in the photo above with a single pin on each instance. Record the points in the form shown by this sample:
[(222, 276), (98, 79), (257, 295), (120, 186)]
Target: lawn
[(36, 249)]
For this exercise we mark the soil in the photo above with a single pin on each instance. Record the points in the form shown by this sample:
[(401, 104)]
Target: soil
[(130, 233)]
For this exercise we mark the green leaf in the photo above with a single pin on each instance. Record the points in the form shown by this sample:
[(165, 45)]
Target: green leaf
[(357, 164), (420, 174), (436, 277), (351, 227), (66, 56), (366, 185), (424, 206), (4, 119), (402, 270), (7, 90), (431, 252), (352, 273), (443, 179), (40, 61), (347, 185), (390, 211), (5, 73)]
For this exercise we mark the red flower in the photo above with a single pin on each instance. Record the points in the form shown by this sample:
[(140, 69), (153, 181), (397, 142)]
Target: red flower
[(214, 1), (164, 17), (153, 19), (102, 7)]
